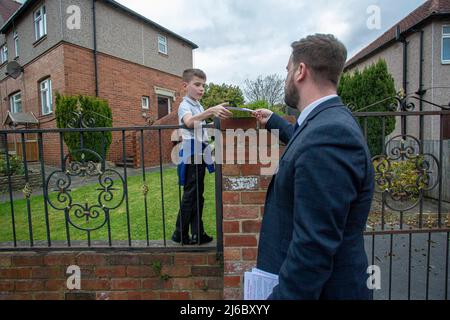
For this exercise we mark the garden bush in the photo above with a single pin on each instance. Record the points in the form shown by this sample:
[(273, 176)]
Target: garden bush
[(359, 90), (15, 166), (92, 108)]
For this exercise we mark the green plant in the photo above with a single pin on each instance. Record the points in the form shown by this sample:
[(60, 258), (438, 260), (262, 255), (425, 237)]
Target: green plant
[(262, 104), (361, 89), (16, 166), (216, 94), (405, 177), (253, 106), (280, 109), (157, 268), (96, 113), (205, 287)]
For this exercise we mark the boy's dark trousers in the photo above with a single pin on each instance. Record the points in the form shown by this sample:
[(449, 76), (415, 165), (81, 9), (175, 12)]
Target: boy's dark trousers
[(191, 208)]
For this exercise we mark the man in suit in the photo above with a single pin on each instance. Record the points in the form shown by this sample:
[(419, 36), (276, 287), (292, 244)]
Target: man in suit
[(318, 202)]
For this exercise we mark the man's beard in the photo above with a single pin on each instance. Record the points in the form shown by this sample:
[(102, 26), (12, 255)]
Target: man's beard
[(291, 96)]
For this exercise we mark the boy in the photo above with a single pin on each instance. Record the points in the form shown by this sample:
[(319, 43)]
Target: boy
[(192, 175)]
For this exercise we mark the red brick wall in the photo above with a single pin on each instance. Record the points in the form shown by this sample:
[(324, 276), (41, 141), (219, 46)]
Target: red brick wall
[(51, 64), (112, 275), (123, 84), (243, 209)]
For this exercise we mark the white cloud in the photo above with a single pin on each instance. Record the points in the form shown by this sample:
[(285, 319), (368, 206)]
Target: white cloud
[(243, 39)]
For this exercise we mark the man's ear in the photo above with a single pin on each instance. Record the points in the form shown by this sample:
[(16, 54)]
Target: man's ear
[(300, 73), (185, 84)]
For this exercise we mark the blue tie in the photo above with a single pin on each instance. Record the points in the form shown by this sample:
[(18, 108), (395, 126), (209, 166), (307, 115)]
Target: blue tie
[(296, 126)]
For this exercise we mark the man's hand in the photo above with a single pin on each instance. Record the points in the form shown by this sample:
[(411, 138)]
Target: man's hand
[(220, 111), (262, 115)]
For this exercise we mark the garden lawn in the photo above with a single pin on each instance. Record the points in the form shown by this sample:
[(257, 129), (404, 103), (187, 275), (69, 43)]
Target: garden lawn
[(118, 217)]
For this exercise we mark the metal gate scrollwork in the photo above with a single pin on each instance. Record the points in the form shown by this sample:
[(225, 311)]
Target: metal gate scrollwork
[(84, 215), (403, 174)]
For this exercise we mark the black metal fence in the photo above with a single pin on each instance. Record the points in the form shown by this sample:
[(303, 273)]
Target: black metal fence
[(408, 231), (85, 202)]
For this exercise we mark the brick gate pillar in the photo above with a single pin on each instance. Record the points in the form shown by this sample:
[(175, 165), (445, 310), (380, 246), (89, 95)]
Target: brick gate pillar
[(244, 192)]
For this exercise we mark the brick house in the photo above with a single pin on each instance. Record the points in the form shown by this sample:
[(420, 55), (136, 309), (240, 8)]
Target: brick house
[(417, 53), (110, 51), (423, 37)]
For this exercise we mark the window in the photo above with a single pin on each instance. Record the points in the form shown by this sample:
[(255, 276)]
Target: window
[(162, 44), (40, 23), (145, 102), (45, 88), (4, 54), (164, 104), (446, 44), (16, 43), (16, 102)]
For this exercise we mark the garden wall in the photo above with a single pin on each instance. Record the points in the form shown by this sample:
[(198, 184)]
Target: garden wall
[(111, 275)]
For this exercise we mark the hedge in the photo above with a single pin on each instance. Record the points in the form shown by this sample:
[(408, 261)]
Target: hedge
[(96, 113), (359, 90)]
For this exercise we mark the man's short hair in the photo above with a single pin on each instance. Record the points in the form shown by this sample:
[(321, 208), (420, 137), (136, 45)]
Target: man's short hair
[(324, 54), (189, 74)]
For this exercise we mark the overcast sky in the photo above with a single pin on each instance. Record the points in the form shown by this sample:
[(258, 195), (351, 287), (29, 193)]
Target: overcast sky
[(240, 39)]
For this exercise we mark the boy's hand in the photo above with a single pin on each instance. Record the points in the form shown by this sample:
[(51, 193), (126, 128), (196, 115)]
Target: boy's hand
[(220, 111), (262, 115)]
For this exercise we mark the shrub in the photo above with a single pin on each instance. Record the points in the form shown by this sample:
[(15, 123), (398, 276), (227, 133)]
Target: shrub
[(262, 104), (216, 94), (405, 182), (361, 89), (15, 166), (91, 108)]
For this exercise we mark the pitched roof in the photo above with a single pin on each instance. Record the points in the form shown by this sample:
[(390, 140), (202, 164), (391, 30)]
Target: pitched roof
[(21, 118), (7, 8), (113, 3), (429, 9)]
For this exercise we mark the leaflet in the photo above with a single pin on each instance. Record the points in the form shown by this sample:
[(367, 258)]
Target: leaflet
[(258, 284), (240, 109)]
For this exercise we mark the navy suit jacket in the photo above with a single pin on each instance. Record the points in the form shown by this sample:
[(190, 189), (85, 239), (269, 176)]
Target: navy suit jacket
[(317, 206)]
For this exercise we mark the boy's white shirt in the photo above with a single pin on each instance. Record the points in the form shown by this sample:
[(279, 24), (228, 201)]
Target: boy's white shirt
[(193, 107)]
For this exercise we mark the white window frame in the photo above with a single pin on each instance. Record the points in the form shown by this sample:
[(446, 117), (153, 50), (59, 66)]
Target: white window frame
[(145, 102), (16, 43), (162, 41), (444, 36), (14, 100), (4, 54), (40, 22), (45, 93)]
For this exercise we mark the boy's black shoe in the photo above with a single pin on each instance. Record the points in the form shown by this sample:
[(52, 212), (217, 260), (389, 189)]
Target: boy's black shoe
[(176, 237), (204, 238)]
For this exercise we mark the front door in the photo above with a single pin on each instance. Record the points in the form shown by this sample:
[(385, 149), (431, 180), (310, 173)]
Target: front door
[(163, 106)]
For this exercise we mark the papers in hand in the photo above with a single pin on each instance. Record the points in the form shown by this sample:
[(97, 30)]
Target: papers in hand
[(240, 109), (258, 284)]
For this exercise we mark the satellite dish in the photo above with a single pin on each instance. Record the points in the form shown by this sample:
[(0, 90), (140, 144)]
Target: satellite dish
[(13, 69)]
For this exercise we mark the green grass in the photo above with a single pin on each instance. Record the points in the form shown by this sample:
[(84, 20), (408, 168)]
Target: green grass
[(118, 217)]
